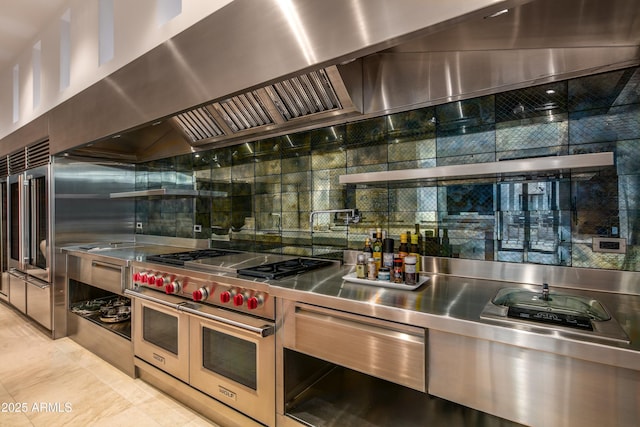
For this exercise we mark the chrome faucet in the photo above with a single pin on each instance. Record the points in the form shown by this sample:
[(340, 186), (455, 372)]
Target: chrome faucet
[(353, 216)]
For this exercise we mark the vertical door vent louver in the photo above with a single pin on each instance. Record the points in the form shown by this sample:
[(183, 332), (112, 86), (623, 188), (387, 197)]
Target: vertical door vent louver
[(4, 167), (37, 154), (17, 162), (243, 112), (303, 95), (198, 124)]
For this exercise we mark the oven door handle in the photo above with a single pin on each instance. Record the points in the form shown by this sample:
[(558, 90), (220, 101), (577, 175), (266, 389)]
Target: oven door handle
[(263, 331), (151, 299)]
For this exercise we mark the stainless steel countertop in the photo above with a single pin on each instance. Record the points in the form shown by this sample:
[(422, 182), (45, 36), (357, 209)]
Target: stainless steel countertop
[(445, 303), (453, 304)]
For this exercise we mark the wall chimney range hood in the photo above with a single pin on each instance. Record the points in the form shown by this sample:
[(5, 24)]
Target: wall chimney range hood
[(456, 51)]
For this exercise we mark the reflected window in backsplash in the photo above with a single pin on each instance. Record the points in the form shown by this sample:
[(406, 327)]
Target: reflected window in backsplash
[(261, 194)]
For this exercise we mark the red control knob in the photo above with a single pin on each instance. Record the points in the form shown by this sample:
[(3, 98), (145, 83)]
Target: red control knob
[(238, 300), (173, 287), (225, 297), (136, 277), (253, 303), (200, 294), (144, 278), (159, 281)]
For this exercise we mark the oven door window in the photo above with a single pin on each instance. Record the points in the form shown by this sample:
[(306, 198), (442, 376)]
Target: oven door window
[(229, 356), (160, 329)]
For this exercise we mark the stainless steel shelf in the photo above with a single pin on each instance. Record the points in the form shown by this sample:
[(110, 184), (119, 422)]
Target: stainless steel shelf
[(576, 161), (168, 192)]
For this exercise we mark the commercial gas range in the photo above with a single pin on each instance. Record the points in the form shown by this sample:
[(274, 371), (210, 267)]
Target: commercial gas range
[(206, 319)]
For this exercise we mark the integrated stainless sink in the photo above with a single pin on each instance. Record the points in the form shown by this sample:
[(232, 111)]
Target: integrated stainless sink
[(573, 314)]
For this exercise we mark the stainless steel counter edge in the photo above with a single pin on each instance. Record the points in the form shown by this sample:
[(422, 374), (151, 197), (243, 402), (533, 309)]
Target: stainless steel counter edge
[(440, 304)]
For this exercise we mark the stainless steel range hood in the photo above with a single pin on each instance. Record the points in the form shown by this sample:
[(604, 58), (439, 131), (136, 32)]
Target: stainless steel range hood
[(312, 96), (357, 68)]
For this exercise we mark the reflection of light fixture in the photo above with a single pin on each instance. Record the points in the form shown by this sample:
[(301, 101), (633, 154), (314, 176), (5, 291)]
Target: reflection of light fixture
[(197, 156), (550, 91), (498, 13)]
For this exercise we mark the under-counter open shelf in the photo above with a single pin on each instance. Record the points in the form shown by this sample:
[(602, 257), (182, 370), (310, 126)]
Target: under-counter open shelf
[(506, 167)]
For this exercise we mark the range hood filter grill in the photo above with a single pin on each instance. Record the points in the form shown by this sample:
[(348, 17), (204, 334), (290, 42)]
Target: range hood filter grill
[(306, 94), (244, 112), (198, 124)]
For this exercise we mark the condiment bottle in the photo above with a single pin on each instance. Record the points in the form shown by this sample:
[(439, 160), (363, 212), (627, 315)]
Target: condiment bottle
[(398, 273), (403, 249), (410, 273), (384, 274), (368, 250), (372, 271), (377, 249), (387, 253), (361, 267), (414, 250)]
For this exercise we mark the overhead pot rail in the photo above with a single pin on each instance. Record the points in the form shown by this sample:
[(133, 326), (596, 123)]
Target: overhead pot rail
[(536, 164), (309, 96)]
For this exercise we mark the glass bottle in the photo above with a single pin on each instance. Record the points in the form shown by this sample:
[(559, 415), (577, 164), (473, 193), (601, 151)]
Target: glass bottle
[(361, 267), (414, 250), (372, 272), (368, 250), (403, 249), (377, 249), (445, 246)]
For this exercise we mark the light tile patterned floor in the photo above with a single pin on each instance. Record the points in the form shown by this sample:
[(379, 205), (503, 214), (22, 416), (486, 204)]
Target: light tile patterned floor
[(45, 382)]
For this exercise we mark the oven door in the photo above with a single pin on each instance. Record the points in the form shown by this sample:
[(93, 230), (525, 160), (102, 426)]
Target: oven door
[(161, 335), (233, 360)]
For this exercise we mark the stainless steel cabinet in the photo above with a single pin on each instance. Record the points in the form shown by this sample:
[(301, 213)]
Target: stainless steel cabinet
[(17, 290), (38, 296)]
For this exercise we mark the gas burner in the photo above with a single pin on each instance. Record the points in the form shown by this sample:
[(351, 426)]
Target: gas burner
[(179, 258), (278, 270)]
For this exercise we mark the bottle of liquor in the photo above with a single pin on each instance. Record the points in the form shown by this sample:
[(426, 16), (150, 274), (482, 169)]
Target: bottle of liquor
[(445, 246), (377, 249), (420, 241), (403, 249), (414, 250), (431, 243)]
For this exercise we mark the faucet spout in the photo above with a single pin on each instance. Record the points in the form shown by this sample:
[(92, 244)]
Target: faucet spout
[(353, 216)]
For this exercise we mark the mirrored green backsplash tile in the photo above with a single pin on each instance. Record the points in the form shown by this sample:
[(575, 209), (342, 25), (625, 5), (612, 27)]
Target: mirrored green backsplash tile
[(368, 155), (296, 202), (627, 161), (267, 167), (366, 132), (459, 116), (417, 150), (328, 179), (482, 142), (532, 102), (603, 90), (296, 164), (533, 135), (329, 160), (614, 124)]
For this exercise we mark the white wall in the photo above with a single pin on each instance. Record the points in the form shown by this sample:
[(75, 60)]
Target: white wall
[(136, 32)]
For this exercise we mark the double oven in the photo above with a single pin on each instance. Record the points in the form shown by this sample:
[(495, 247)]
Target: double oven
[(214, 333), (28, 243)]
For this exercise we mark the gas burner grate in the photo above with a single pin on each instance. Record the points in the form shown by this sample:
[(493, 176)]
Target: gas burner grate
[(281, 269), (179, 258)]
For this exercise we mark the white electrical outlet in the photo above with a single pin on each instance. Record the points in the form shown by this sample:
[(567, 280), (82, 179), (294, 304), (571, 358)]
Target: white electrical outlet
[(197, 228)]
